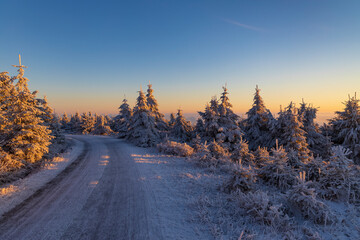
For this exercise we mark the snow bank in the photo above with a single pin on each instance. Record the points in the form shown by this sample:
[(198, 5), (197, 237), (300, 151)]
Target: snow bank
[(14, 193)]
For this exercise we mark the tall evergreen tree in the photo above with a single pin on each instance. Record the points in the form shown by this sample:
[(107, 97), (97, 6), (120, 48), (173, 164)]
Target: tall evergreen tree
[(28, 137), (229, 131), (153, 107), (100, 127), (293, 136), (317, 142), (7, 90), (182, 129), (143, 131), (123, 120), (87, 123), (75, 123), (172, 120), (211, 125), (258, 123), (345, 127), (65, 122), (199, 127)]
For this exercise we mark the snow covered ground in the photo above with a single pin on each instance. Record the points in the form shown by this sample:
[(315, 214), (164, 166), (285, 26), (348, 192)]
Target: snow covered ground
[(14, 193), (105, 188), (110, 190)]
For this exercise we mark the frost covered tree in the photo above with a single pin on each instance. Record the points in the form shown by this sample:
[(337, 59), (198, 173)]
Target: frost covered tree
[(182, 129), (220, 123), (100, 127), (65, 122), (318, 143), (229, 131), (50, 119), (153, 107), (258, 123), (211, 125), (123, 120), (172, 120), (293, 136), (277, 171), (345, 127), (241, 154), (143, 131), (28, 138), (75, 123), (199, 127), (7, 90), (87, 122)]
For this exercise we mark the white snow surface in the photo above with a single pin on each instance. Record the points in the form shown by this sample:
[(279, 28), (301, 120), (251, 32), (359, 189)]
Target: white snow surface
[(117, 191)]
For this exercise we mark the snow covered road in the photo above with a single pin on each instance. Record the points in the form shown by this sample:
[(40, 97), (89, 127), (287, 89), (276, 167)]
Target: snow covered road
[(100, 196)]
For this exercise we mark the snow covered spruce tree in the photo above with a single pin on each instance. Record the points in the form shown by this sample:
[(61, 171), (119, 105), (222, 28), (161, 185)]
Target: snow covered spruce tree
[(50, 120), (143, 131), (345, 127), (122, 121), (7, 90), (87, 123), (199, 129), (172, 120), (100, 127), (277, 170), (258, 123), (293, 136), (229, 132), (211, 126), (317, 142), (220, 122), (75, 124), (28, 138), (65, 122), (160, 122), (182, 129)]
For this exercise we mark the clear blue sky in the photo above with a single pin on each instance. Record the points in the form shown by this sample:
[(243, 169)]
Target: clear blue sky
[(85, 55)]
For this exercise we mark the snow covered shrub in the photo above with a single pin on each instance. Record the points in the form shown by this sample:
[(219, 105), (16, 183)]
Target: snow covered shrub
[(210, 155), (217, 150), (261, 209), (303, 199), (277, 171), (175, 148), (241, 154), (339, 179), (241, 178)]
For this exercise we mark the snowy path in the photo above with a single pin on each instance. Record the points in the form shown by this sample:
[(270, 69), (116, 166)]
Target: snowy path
[(112, 191)]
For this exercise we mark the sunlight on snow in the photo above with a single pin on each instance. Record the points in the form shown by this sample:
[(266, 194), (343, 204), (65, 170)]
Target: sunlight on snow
[(103, 162), (8, 190), (93, 183), (147, 159)]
